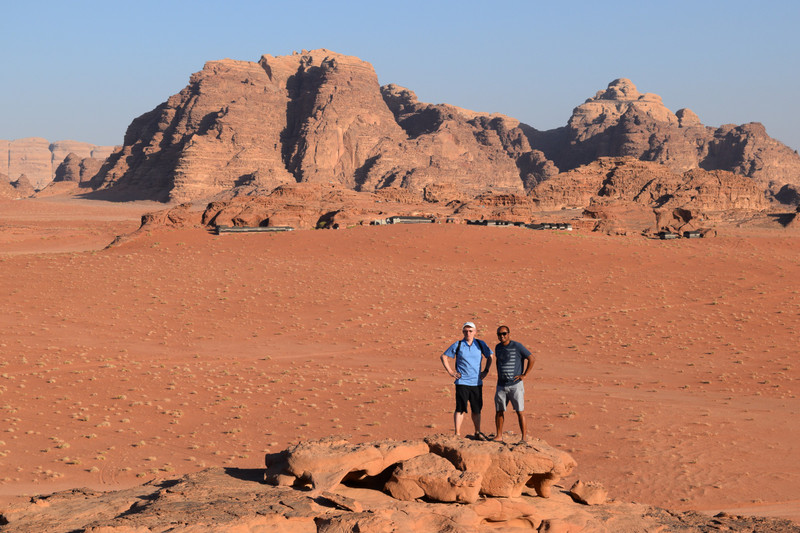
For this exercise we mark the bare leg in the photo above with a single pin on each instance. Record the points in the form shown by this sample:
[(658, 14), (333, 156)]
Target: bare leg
[(476, 419), (499, 420), (522, 426), (458, 418)]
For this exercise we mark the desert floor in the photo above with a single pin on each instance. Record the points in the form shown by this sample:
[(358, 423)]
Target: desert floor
[(667, 368)]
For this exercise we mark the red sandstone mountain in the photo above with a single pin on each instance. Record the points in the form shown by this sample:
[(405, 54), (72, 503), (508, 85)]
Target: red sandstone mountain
[(316, 117), (321, 117), (620, 121)]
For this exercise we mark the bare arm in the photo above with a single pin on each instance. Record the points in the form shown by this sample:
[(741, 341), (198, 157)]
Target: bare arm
[(446, 364), (488, 366), (528, 363)]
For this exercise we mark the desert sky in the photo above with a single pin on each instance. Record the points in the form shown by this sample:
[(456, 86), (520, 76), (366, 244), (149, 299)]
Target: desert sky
[(534, 61), (666, 368)]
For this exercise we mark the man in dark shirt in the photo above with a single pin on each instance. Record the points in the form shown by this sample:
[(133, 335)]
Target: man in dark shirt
[(514, 361)]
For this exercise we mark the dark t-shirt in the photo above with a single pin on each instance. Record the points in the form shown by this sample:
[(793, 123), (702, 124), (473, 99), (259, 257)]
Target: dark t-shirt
[(509, 361)]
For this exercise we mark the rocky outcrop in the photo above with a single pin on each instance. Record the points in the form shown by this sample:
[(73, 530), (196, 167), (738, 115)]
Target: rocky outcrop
[(651, 185), (6, 190), (314, 117), (77, 169), (612, 195), (237, 500), (38, 158), (469, 468), (506, 470), (591, 493), (434, 477), (72, 176), (620, 121), (326, 463), (17, 189)]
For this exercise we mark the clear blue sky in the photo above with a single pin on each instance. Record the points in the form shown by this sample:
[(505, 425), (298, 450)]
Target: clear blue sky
[(83, 70)]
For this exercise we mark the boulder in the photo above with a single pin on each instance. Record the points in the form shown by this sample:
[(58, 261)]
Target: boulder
[(433, 477), (325, 463), (506, 469), (590, 493)]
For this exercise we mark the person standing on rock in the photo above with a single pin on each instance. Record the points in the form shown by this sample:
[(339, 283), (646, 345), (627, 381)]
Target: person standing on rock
[(514, 361), (468, 354)]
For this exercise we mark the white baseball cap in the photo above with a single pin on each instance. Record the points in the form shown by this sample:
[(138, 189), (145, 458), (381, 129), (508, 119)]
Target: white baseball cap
[(469, 325)]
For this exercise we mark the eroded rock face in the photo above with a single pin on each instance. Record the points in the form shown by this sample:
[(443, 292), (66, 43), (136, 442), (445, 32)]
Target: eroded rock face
[(651, 185), (612, 195), (506, 469), (19, 188), (620, 121), (325, 463), (77, 169), (434, 477), (237, 500), (315, 117), (38, 158), (443, 467)]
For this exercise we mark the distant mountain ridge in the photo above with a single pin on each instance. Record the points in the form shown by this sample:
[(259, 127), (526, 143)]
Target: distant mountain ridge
[(321, 117), (37, 159), (620, 121)]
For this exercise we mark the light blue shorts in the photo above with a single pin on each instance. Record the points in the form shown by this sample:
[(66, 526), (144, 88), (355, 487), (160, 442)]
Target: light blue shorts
[(510, 393)]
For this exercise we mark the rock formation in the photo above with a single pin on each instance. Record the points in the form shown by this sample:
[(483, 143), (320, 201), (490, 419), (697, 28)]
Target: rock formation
[(612, 195), (77, 169), (238, 500), (17, 189), (637, 190), (620, 121), (73, 175), (321, 117), (38, 158), (317, 117)]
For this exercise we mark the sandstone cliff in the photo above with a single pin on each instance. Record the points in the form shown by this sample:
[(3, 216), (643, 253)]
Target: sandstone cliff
[(320, 117), (650, 184), (620, 121), (38, 158), (314, 117)]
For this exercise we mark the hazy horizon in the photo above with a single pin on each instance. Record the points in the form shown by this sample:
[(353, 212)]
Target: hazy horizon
[(84, 71)]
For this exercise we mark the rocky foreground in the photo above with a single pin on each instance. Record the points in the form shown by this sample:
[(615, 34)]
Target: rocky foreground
[(439, 484)]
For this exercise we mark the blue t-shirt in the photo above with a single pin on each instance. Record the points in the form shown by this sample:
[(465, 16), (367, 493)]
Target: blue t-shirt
[(509, 361), (468, 360)]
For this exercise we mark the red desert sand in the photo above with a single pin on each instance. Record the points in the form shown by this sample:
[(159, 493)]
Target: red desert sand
[(666, 368)]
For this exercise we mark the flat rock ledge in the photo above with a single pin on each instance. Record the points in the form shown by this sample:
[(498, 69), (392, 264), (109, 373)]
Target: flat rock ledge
[(440, 484)]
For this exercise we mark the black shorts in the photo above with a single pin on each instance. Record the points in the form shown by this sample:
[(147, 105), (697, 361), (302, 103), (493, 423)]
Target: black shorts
[(472, 394)]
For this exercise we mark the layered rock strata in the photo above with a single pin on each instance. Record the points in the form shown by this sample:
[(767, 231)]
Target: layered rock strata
[(620, 121), (38, 158), (315, 117), (321, 117), (613, 195)]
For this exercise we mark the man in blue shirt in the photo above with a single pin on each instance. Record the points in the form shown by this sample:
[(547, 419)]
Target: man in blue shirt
[(514, 361), (468, 354)]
